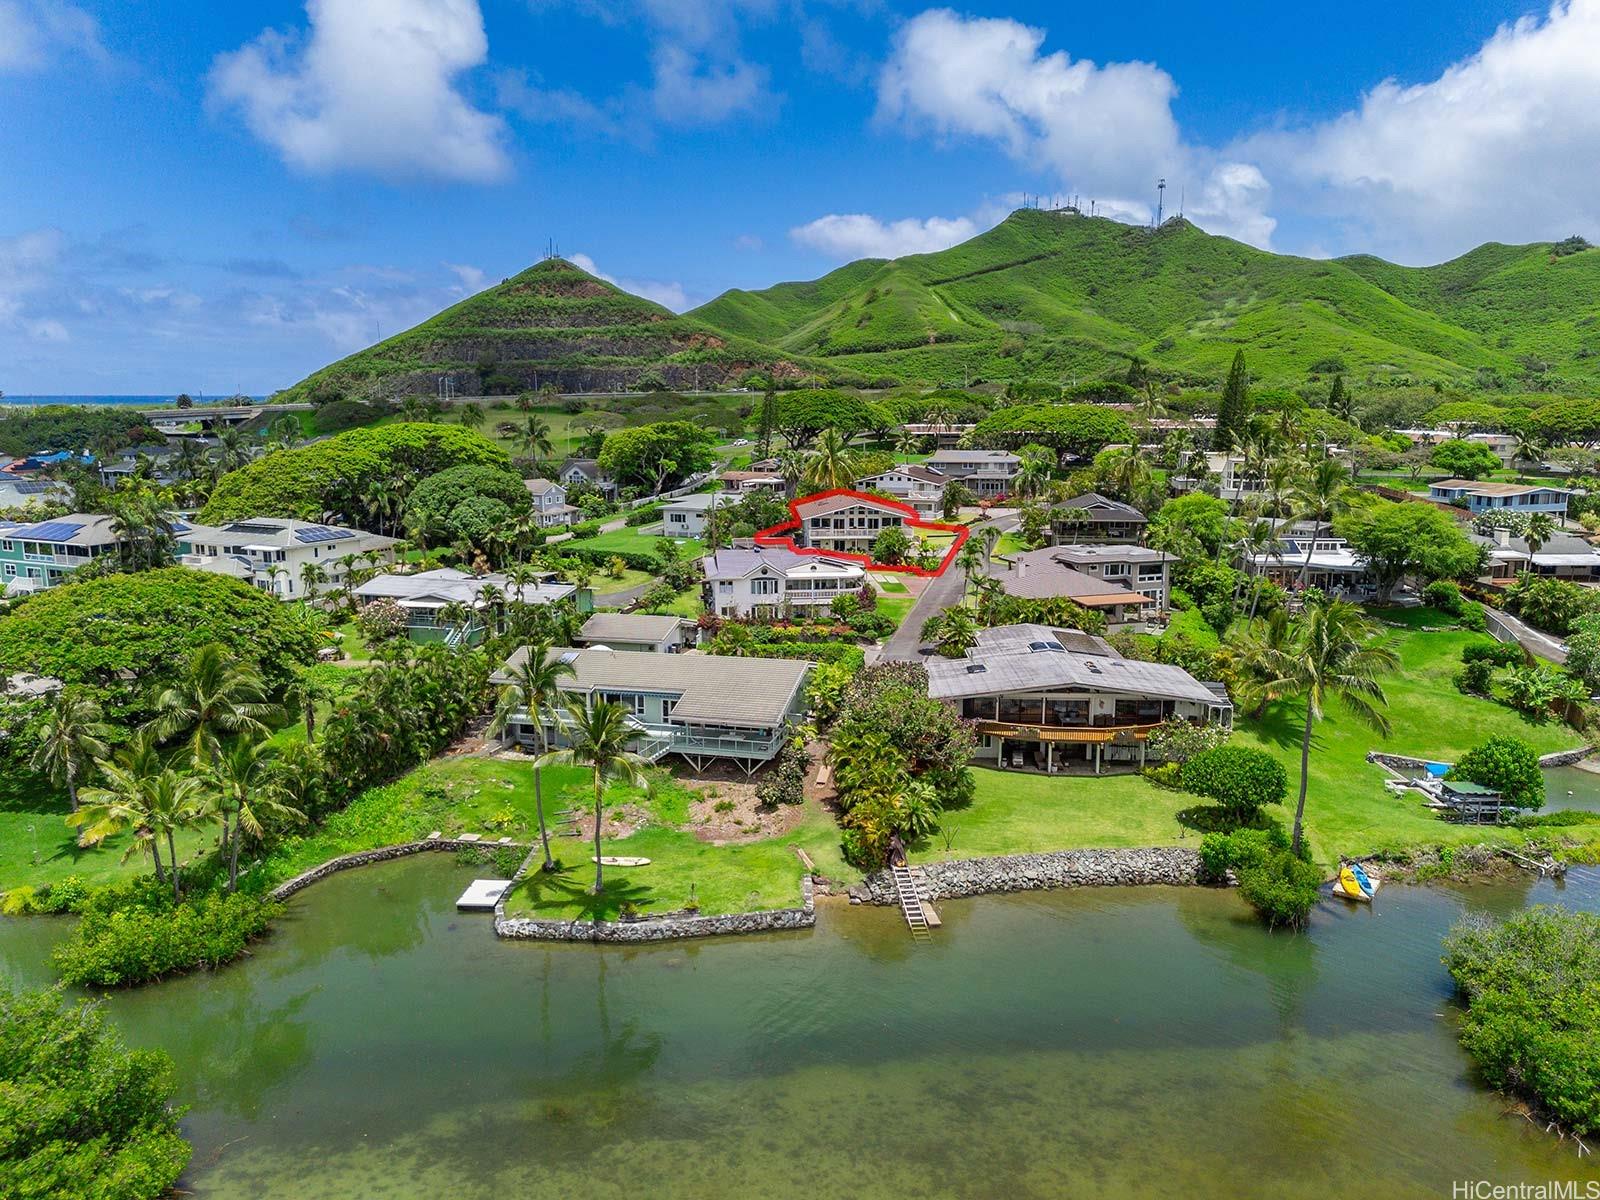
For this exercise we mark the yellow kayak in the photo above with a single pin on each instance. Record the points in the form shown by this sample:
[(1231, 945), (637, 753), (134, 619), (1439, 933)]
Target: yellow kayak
[(1350, 885)]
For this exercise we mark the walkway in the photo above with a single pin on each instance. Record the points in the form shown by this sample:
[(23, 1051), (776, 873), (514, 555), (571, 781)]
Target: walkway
[(1525, 635), (906, 644)]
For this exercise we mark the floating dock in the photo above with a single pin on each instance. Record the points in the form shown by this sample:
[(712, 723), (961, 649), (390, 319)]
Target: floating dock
[(483, 895)]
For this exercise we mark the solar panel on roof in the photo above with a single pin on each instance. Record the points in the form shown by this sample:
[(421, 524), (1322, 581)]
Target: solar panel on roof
[(321, 533), (50, 531), (32, 487)]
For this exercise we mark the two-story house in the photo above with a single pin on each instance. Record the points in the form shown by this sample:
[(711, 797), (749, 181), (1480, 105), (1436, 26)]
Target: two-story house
[(576, 472), (762, 582), (1137, 568), (41, 554), (989, 474), (920, 487), (1481, 496), (686, 517), (702, 707), (1057, 700), (845, 522), (272, 553), (1092, 517), (550, 507)]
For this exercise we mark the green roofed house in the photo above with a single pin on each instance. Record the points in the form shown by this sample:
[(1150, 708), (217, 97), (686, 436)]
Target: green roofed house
[(703, 707)]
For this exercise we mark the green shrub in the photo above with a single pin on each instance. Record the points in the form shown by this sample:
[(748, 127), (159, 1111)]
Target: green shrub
[(1281, 888), (1475, 678), (1241, 779), (644, 515), (1507, 764), (1499, 654), (1561, 818), (132, 933), (1443, 595), (1167, 775), (1532, 990), (1222, 852), (80, 1114)]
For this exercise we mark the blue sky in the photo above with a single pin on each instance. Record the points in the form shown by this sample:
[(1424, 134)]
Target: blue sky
[(212, 197)]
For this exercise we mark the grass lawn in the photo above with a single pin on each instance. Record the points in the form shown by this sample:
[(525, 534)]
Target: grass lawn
[(1348, 810), (606, 584), (351, 643), (634, 541), (1010, 543), (890, 585), (896, 607), (687, 603)]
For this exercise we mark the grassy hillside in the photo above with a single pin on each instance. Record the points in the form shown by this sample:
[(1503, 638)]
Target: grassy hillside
[(553, 323), (1042, 295), (1056, 293)]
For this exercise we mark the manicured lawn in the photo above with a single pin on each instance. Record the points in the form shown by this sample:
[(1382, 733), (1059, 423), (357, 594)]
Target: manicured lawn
[(605, 583), (1010, 543), (1348, 810), (634, 541), (896, 607), (38, 847), (687, 603), (893, 587)]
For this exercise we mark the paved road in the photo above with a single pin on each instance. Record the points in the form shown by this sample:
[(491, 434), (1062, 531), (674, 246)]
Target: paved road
[(1531, 640), (906, 644)]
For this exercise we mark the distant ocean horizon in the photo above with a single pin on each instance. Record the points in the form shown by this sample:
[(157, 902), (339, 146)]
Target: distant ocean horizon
[(98, 401)]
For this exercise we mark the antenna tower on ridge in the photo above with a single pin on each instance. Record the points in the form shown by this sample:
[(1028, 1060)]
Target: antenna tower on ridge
[(1161, 195)]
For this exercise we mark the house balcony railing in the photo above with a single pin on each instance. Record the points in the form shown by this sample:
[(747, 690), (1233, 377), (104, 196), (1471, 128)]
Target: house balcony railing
[(1068, 733), (654, 740)]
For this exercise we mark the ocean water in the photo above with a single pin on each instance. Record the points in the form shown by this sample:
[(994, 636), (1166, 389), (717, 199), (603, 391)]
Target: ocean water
[(96, 401)]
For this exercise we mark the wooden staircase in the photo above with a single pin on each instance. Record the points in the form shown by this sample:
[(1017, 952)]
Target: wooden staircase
[(917, 914)]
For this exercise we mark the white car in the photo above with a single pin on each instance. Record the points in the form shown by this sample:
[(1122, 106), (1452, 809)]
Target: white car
[(741, 441)]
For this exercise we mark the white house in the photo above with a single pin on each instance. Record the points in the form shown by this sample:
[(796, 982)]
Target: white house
[(1127, 583), (272, 552), (426, 594), (761, 582), (845, 522), (919, 486), (686, 516), (550, 507)]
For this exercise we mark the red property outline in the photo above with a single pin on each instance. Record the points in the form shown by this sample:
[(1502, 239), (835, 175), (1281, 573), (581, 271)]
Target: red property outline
[(773, 535)]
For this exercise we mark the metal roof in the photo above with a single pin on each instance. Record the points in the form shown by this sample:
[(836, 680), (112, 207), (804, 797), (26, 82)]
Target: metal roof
[(740, 563), (1031, 658), (712, 689), (1104, 507), (973, 456), (630, 627), (832, 504)]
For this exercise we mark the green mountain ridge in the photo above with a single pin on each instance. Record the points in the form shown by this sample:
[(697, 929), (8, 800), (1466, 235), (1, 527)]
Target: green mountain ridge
[(1042, 295)]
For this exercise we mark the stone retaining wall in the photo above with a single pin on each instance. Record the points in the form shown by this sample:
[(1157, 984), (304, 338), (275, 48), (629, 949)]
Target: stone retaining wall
[(1055, 869), (1403, 762), (382, 854), (658, 929), (1565, 758)]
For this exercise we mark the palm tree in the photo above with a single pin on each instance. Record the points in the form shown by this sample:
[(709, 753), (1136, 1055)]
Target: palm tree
[(534, 690), (455, 615), (1034, 473), (830, 464), (599, 735), (246, 786), (954, 631), (233, 447), (971, 560), (792, 469), (1320, 496), (311, 575), (216, 696), (306, 691), (1530, 448), (1256, 538), (471, 415), (155, 803), (72, 736), (534, 437), (907, 444), (1541, 528), (1331, 655)]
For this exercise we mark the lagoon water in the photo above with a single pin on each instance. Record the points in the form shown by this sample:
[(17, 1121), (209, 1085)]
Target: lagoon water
[(1113, 1043)]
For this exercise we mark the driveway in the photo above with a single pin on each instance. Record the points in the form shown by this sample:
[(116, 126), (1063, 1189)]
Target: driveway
[(906, 644)]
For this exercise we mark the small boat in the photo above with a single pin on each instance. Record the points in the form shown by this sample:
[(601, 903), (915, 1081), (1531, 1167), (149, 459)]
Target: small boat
[(1354, 883)]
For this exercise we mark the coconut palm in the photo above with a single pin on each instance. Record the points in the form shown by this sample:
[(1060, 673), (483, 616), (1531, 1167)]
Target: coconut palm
[(792, 469), (830, 464), (1034, 474), (311, 577), (1320, 496), (1541, 528), (534, 437), (71, 738), (215, 696), (1331, 655), (1530, 448), (954, 631), (907, 444), (534, 691), (155, 805), (599, 737), (471, 415), (118, 803), (246, 787), (306, 691)]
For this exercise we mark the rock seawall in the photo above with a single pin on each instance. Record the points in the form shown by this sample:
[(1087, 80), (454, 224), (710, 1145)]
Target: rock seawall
[(382, 854), (1404, 762), (658, 929), (1056, 869)]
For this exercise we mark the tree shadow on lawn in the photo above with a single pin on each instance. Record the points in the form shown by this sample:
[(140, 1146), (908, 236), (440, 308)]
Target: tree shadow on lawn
[(1284, 725), (563, 894), (1213, 818)]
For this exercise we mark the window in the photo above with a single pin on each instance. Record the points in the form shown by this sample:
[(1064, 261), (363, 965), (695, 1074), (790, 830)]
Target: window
[(979, 708), (1115, 569), (763, 587), (1143, 711), (11, 570), (1067, 712), (1021, 712)]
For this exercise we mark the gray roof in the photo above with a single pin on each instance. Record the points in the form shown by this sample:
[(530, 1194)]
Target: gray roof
[(699, 502), (440, 587), (286, 534), (911, 471), (1103, 508), (974, 456), (1026, 658), (538, 487), (589, 468), (832, 504), (1041, 575), (1108, 552), (738, 563), (714, 689), (630, 627), (74, 529)]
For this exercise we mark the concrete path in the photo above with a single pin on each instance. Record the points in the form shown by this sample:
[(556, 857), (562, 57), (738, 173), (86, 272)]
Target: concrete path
[(1525, 635), (906, 644)]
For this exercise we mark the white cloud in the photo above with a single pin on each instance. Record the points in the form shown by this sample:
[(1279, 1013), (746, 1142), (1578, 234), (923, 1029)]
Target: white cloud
[(472, 278), (34, 33), (1232, 202), (1502, 145), (1106, 131), (370, 86), (857, 235), (668, 294), (694, 89)]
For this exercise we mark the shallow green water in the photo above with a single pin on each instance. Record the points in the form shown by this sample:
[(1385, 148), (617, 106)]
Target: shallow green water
[(1571, 787), (1109, 1043)]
